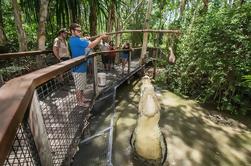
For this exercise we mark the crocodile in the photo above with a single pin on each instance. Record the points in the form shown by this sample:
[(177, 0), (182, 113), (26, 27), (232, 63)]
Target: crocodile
[(146, 85), (147, 141)]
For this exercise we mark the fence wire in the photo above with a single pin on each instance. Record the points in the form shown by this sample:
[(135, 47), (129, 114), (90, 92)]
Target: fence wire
[(64, 119), (13, 67), (23, 152)]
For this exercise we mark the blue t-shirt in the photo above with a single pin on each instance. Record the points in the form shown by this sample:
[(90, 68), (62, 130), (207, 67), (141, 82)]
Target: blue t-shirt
[(77, 47)]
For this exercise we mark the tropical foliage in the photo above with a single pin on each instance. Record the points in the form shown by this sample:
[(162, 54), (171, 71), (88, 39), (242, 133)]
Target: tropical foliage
[(213, 52), (214, 55)]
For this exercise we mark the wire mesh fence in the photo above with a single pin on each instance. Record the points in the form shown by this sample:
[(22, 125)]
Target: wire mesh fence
[(22, 64), (64, 117), (23, 152)]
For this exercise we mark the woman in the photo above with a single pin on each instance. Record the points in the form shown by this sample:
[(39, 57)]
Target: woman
[(125, 55), (112, 55)]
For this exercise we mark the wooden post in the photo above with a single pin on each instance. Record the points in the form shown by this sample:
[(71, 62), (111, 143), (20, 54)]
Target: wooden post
[(95, 71), (145, 36), (39, 132), (155, 62), (1, 80), (129, 61)]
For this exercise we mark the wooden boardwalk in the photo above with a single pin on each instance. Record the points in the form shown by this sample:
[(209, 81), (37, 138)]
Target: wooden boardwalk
[(63, 118)]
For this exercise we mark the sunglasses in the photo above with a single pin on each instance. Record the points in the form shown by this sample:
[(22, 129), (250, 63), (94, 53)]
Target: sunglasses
[(79, 31)]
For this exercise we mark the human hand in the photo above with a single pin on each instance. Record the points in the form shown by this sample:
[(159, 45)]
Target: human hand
[(104, 36)]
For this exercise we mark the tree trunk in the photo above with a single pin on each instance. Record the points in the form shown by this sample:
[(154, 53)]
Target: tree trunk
[(182, 6), (93, 17), (145, 36), (43, 11), (22, 40), (42, 23), (118, 28), (205, 4), (242, 1), (3, 39), (111, 16)]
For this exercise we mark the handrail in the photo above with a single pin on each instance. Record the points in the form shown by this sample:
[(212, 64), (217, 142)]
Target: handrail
[(32, 53), (22, 54), (16, 96)]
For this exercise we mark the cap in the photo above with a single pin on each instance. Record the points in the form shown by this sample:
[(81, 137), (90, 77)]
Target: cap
[(62, 30)]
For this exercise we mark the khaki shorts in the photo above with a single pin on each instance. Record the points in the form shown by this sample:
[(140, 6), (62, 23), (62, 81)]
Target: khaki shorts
[(79, 80)]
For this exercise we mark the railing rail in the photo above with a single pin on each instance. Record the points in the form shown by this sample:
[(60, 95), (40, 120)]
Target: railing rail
[(23, 54)]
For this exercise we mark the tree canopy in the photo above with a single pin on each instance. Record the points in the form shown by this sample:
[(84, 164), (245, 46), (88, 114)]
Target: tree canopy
[(213, 52)]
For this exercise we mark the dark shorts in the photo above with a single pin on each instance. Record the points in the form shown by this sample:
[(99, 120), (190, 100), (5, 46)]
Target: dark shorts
[(106, 59), (124, 56)]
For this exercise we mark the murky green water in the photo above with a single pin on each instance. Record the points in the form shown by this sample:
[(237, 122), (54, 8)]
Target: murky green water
[(195, 136)]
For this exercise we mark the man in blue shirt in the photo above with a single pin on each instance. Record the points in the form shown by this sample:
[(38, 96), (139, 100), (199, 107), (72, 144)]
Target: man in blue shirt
[(77, 47)]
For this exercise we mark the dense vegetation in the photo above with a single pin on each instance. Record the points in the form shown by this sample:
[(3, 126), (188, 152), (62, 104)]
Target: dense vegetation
[(214, 55), (213, 52)]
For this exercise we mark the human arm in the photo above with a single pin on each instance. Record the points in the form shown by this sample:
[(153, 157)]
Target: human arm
[(97, 41), (56, 49)]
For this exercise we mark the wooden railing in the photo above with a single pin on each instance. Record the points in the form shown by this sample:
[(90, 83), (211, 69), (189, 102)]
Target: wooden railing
[(16, 98)]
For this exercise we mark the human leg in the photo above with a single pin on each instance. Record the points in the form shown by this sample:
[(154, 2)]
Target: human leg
[(80, 83), (104, 61), (113, 62), (123, 65)]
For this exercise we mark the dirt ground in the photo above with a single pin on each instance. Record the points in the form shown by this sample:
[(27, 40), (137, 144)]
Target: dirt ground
[(194, 135)]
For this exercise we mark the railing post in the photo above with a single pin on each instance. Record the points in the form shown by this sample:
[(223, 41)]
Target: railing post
[(39, 132), (1, 80), (95, 71), (129, 61), (155, 51)]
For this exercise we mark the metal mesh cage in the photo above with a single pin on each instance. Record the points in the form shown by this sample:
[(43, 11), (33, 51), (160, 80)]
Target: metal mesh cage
[(23, 152), (64, 119)]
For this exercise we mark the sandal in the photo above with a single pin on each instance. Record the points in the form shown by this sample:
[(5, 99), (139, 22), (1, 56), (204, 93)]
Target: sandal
[(87, 100), (83, 105)]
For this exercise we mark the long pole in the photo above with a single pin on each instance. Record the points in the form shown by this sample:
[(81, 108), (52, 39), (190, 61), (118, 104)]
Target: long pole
[(142, 30)]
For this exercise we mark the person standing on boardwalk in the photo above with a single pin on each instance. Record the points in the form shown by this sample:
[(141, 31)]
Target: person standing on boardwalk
[(104, 46), (60, 46), (125, 55), (77, 47), (89, 51), (112, 55)]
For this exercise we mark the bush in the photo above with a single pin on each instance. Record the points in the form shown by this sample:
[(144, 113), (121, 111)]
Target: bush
[(213, 57)]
